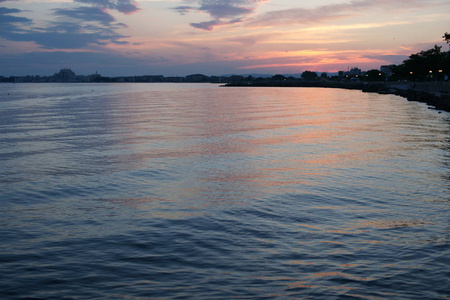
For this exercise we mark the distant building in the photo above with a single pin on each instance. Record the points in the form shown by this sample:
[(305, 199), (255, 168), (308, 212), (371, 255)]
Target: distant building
[(93, 77), (65, 75), (354, 72), (386, 70)]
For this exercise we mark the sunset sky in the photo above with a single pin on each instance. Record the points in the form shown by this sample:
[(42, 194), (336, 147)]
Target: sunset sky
[(214, 37)]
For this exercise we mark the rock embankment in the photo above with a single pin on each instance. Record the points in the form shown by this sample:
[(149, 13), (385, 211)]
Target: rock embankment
[(439, 100)]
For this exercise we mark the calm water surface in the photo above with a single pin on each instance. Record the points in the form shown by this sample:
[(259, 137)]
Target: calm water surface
[(137, 191)]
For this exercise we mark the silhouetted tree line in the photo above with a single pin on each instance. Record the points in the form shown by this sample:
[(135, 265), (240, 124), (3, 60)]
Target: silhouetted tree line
[(428, 65), (432, 64)]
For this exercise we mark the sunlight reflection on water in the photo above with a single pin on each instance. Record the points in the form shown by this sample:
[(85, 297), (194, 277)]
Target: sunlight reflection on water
[(171, 191)]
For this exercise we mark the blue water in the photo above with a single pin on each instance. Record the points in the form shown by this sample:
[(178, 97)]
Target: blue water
[(194, 191)]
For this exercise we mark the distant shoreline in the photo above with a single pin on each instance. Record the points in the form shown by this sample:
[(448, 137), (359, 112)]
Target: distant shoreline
[(435, 94), (426, 92)]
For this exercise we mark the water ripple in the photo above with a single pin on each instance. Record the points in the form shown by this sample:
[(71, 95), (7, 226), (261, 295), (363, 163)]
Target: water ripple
[(163, 191)]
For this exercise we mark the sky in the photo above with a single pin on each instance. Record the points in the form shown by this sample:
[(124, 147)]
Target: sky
[(214, 37)]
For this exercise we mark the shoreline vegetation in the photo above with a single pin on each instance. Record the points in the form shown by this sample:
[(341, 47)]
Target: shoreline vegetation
[(423, 77), (436, 94), (433, 93)]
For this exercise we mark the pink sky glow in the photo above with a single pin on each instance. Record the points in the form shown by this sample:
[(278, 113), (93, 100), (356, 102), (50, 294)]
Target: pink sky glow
[(214, 37)]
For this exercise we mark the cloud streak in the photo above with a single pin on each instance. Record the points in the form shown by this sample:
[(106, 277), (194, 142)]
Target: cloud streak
[(223, 36), (7, 19), (332, 12), (10, 24), (221, 12), (66, 35), (123, 6), (87, 23), (88, 14)]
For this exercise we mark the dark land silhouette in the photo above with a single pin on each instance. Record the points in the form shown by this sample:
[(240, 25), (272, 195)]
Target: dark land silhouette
[(422, 77)]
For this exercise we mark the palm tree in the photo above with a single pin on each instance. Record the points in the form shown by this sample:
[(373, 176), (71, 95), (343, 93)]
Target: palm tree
[(446, 37)]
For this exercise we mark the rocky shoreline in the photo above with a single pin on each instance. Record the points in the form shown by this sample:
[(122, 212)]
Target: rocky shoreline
[(440, 101)]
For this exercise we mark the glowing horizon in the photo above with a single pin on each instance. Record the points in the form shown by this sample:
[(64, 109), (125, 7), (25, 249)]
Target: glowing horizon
[(181, 37)]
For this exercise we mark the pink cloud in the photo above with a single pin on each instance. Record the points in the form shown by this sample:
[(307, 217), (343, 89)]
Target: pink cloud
[(333, 12)]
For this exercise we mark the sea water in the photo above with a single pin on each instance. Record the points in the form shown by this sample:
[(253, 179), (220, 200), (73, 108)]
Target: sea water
[(195, 191)]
